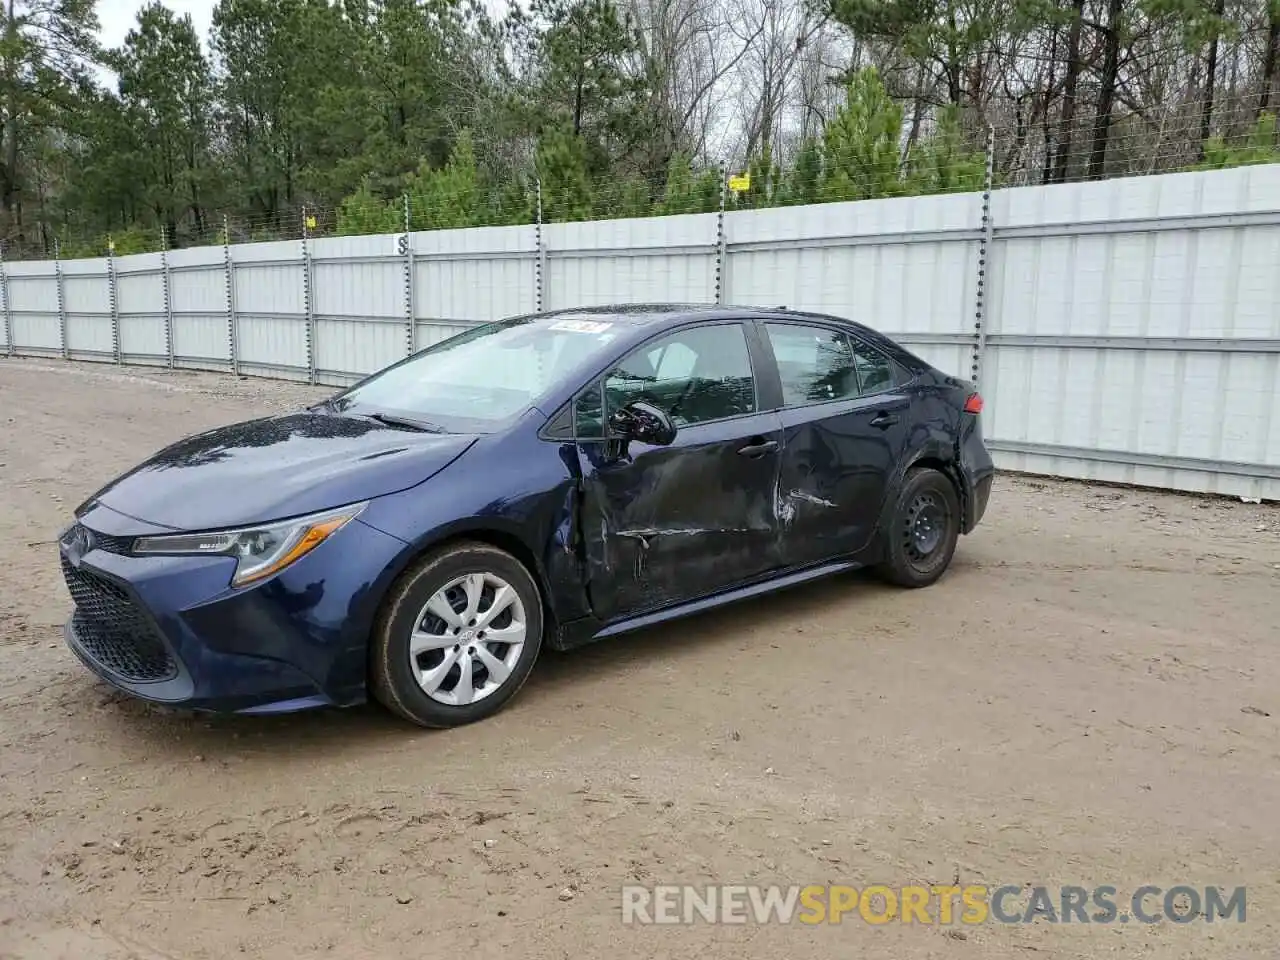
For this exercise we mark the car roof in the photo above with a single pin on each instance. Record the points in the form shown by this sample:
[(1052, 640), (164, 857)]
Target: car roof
[(662, 315), (642, 321)]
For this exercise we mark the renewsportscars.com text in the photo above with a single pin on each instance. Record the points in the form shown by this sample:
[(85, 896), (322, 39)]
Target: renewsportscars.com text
[(878, 904)]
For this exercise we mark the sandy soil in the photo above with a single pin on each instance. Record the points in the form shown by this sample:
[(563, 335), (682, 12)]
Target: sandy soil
[(1091, 696)]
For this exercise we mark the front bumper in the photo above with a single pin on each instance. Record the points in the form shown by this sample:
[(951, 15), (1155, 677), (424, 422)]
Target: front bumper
[(171, 630)]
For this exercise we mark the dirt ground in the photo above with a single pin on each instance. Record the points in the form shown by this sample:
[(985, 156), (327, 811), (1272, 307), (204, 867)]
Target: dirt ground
[(1090, 696)]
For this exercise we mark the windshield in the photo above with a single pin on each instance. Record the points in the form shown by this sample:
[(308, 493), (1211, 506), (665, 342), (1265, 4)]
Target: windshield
[(484, 376)]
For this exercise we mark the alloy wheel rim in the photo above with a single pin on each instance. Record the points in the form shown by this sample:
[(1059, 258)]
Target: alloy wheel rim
[(467, 639), (925, 528)]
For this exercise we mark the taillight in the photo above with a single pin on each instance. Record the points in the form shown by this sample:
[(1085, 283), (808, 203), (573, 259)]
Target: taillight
[(973, 403)]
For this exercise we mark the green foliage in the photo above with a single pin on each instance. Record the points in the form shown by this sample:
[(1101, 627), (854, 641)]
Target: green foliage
[(687, 192), (561, 166), (622, 197), (166, 98), (511, 203), (634, 200), (365, 212), (1198, 20), (943, 163), (447, 198), (766, 183), (583, 84), (803, 182), (134, 240), (860, 147), (352, 105), (46, 50), (1261, 146), (946, 34)]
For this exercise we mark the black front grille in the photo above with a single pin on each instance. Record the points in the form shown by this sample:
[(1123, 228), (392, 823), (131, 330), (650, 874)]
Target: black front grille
[(121, 545), (93, 540), (113, 630)]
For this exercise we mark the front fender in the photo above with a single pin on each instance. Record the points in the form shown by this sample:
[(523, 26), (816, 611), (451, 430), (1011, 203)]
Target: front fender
[(513, 492)]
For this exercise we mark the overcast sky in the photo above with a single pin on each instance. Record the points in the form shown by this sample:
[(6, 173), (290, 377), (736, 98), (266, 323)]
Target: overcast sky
[(118, 17)]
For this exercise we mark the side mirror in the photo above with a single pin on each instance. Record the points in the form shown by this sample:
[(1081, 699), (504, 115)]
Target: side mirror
[(643, 421)]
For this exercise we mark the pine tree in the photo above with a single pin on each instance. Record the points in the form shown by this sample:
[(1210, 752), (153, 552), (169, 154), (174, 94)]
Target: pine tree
[(942, 164), (449, 198), (365, 212), (861, 143), (804, 180), (562, 170), (167, 89)]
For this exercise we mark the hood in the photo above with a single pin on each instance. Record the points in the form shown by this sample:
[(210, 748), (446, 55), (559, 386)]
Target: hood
[(277, 467)]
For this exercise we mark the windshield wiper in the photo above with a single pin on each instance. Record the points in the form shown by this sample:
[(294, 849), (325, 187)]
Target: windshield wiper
[(393, 420)]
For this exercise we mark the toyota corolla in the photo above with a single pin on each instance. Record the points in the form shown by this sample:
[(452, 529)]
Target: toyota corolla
[(546, 480)]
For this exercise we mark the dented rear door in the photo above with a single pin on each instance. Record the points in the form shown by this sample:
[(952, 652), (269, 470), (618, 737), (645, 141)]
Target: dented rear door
[(836, 473), (662, 525), (845, 419)]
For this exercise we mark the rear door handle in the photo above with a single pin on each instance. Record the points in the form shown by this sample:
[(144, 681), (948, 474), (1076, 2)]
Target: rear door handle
[(759, 448), (883, 419)]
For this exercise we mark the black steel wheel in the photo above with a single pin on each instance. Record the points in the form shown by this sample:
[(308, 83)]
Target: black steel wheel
[(922, 535)]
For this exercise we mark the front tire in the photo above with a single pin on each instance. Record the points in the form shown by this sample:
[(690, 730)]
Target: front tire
[(457, 636), (923, 531)]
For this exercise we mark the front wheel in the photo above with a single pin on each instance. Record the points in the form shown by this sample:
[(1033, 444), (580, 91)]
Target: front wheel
[(922, 533), (457, 636)]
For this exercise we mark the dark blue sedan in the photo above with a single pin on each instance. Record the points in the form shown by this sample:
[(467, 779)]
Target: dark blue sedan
[(545, 480)]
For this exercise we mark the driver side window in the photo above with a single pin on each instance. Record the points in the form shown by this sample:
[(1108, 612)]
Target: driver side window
[(695, 375)]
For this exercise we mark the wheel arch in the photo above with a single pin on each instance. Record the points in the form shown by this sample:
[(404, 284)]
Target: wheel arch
[(947, 466), (479, 531), (933, 455)]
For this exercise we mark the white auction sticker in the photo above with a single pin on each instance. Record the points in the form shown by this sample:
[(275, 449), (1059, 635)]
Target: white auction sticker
[(580, 326)]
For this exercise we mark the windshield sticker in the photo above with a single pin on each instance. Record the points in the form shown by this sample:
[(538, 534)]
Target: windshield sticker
[(580, 326)]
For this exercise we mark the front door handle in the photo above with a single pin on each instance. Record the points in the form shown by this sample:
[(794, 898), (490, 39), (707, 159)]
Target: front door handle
[(758, 448), (883, 419)]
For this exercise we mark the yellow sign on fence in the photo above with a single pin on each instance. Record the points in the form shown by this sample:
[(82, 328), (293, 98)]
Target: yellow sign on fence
[(740, 183)]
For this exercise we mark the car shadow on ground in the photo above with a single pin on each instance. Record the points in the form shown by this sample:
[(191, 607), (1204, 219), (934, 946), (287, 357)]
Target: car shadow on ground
[(136, 727)]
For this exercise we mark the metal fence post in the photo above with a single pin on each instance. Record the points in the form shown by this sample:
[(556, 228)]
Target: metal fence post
[(233, 337), (540, 248), (406, 250), (984, 260), (720, 244), (308, 303), (4, 295), (113, 300), (62, 302), (166, 288)]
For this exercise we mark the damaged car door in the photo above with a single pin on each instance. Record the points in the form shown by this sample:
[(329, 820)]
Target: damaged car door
[(844, 419), (668, 522)]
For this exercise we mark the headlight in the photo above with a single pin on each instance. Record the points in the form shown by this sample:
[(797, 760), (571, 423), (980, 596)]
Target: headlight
[(259, 551)]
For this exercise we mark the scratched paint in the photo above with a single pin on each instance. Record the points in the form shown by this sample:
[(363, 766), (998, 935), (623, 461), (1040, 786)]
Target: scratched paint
[(784, 506), (809, 498)]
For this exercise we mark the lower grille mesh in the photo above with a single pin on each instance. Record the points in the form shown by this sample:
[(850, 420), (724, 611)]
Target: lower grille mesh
[(114, 631)]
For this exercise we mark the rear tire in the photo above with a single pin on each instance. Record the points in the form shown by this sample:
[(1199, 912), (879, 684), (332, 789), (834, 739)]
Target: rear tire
[(923, 530), (456, 637)]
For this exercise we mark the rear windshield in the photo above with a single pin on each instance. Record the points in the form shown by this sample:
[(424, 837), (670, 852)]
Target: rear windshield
[(486, 375)]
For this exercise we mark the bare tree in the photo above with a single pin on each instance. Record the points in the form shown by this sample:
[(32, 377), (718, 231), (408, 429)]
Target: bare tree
[(776, 34), (686, 50)]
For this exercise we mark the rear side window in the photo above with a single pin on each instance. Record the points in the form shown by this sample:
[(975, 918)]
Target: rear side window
[(875, 370), (815, 364)]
